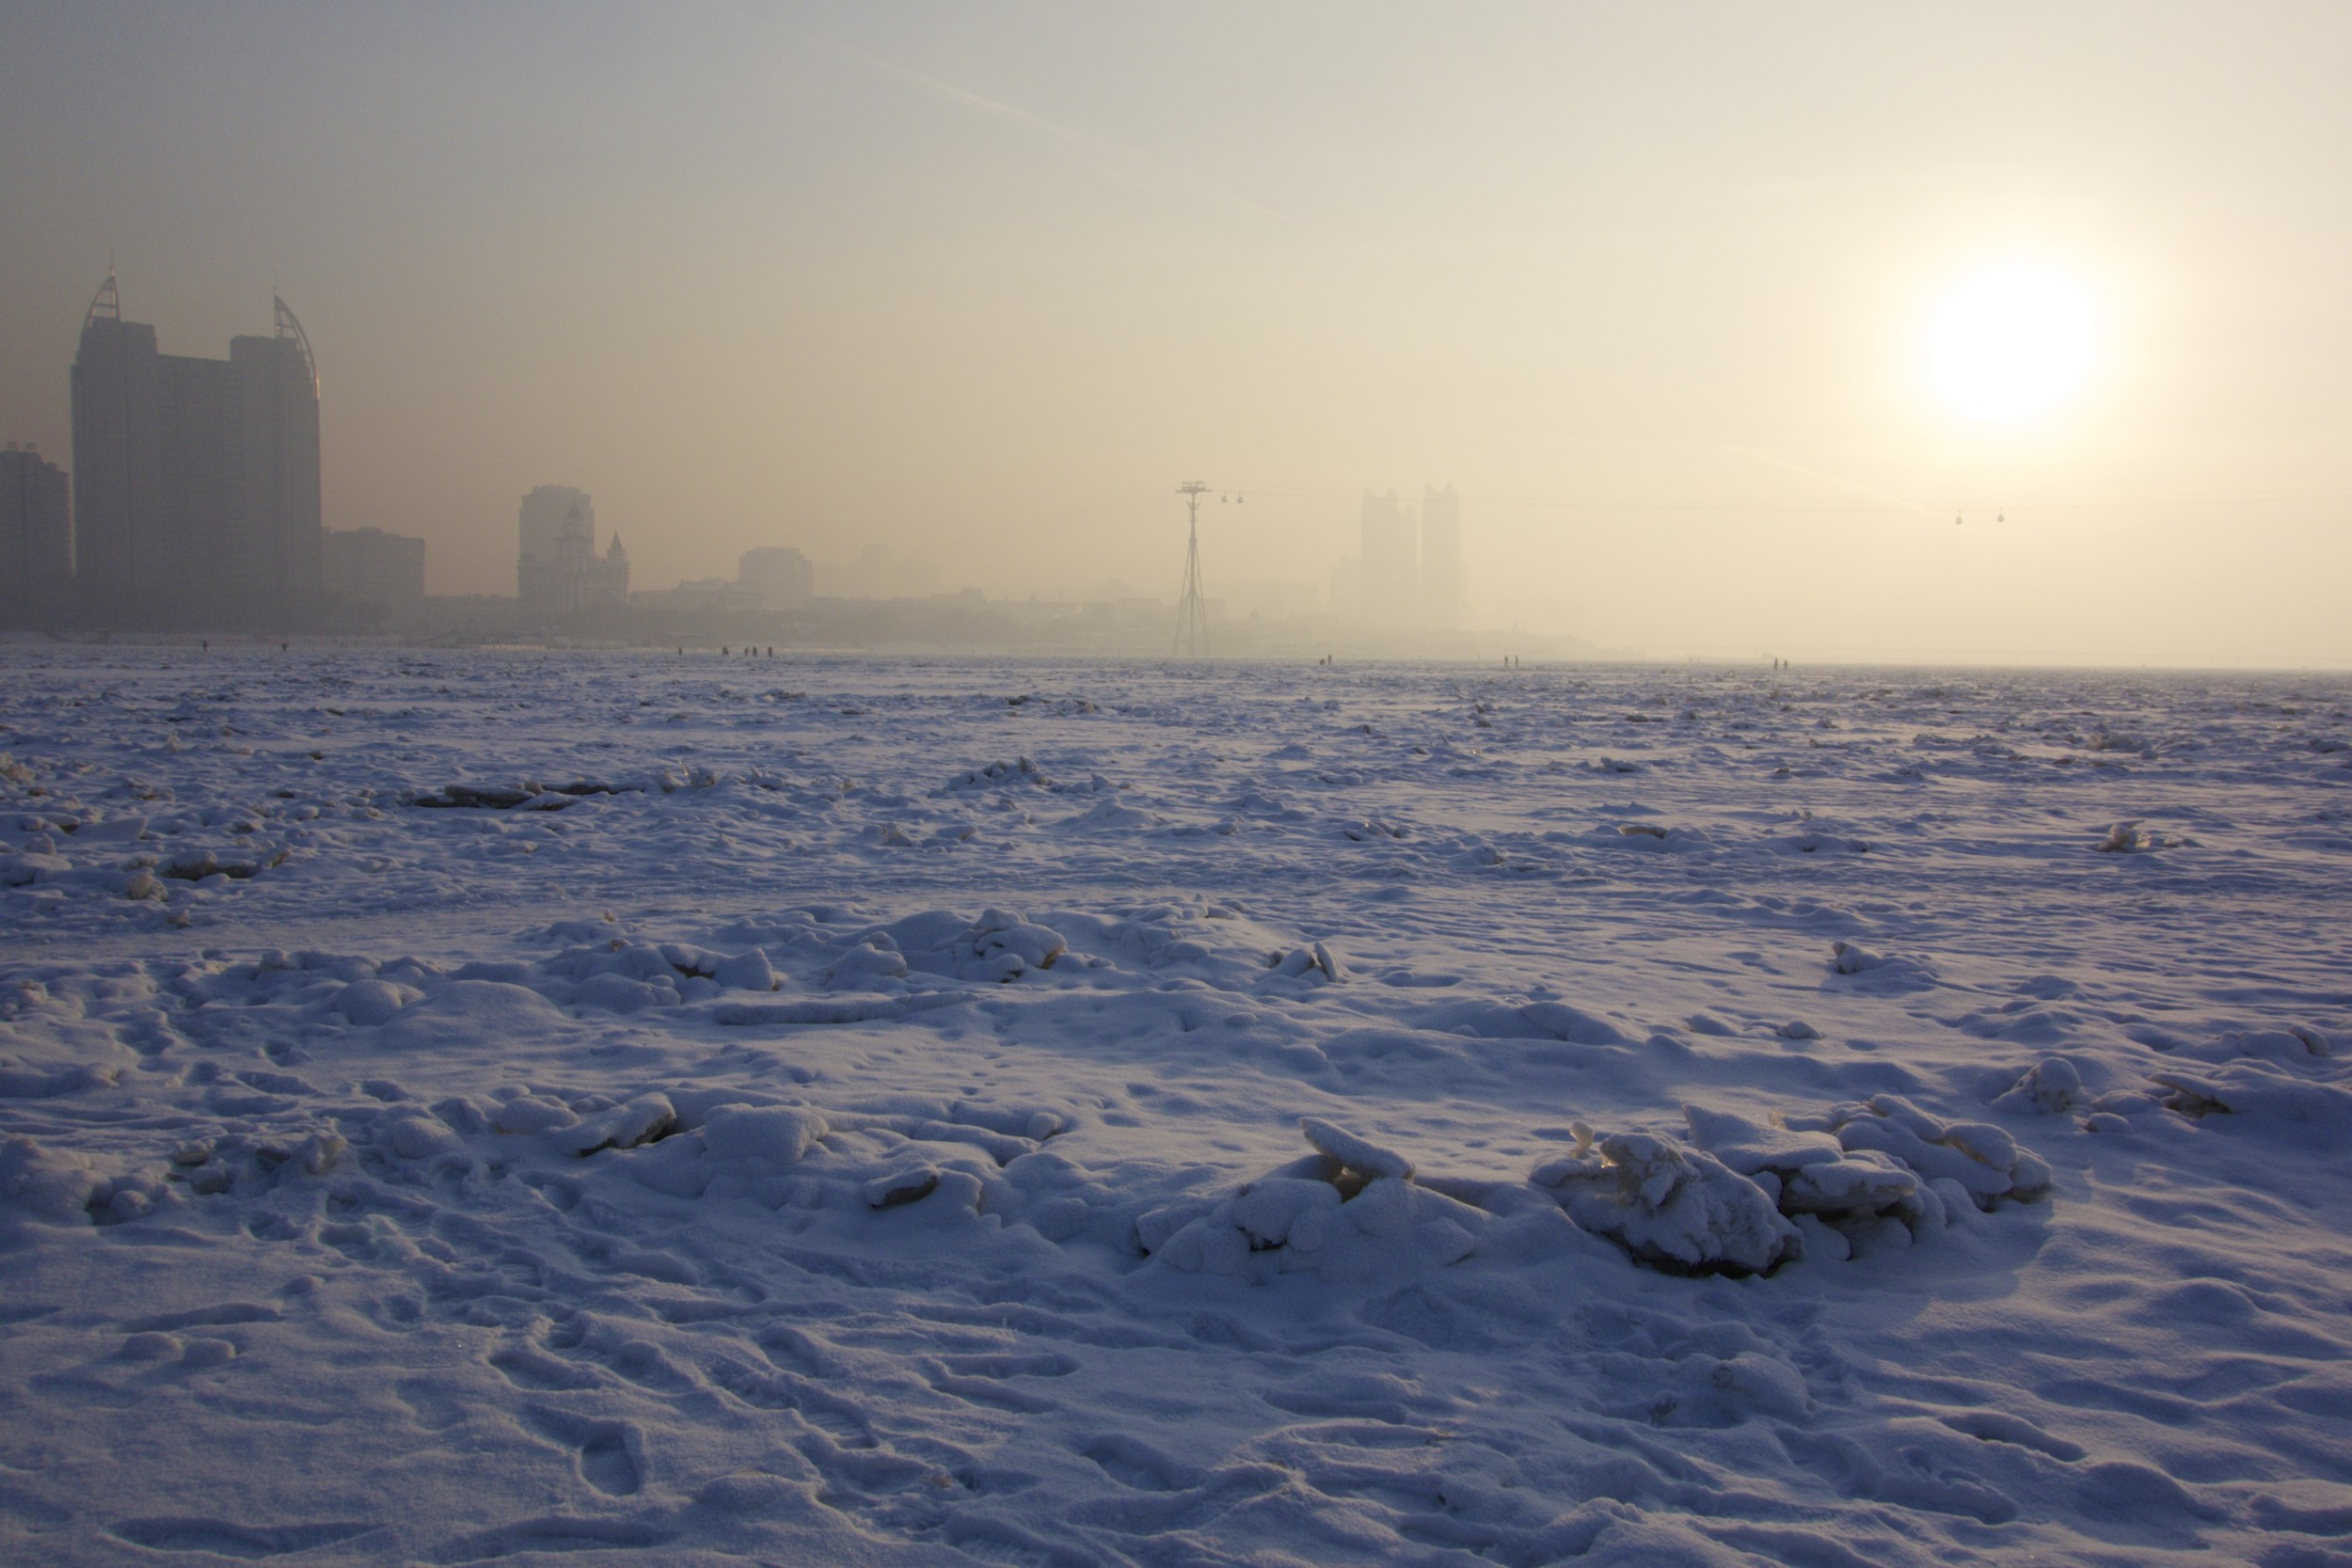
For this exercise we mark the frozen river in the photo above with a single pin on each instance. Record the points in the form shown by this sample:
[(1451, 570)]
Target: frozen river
[(458, 1106)]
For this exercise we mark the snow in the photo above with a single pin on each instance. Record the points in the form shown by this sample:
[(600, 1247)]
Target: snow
[(467, 1106)]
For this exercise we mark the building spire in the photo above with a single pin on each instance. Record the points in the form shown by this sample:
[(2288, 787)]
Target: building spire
[(289, 327), (105, 305)]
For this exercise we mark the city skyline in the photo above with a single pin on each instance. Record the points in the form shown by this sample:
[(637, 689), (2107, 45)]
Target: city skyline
[(1641, 290), (203, 511)]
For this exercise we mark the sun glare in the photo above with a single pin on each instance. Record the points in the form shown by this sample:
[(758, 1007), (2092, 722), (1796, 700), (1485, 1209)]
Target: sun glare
[(2009, 343)]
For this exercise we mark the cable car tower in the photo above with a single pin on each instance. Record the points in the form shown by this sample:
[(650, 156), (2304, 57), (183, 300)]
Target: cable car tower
[(1192, 607)]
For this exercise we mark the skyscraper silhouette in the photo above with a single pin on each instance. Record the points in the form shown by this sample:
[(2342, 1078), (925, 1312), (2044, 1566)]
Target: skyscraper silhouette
[(197, 480)]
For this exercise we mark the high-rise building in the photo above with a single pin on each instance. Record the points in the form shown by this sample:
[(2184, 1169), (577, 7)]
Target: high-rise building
[(369, 566), (35, 533), (1444, 583), (557, 570), (1391, 592), (781, 576), (198, 478)]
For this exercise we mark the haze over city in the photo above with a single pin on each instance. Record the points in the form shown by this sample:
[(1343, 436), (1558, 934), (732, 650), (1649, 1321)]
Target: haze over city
[(1654, 292), (1338, 785)]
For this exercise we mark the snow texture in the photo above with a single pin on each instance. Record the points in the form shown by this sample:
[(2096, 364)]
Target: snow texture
[(463, 1106)]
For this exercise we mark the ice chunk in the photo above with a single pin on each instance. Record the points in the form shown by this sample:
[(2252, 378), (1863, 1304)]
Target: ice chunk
[(641, 1120), (1892, 1138), (1749, 1146), (1901, 1111), (2125, 838), (1867, 1183), (1675, 1207), (1366, 1159)]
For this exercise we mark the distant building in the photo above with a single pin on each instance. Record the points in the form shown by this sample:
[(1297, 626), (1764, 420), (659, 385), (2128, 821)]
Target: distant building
[(1390, 556), (553, 517), (198, 479), (1444, 583), (557, 570), (372, 566), (880, 573), (781, 578), (36, 532), (702, 601)]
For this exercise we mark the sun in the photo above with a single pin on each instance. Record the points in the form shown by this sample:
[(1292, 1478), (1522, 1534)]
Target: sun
[(2009, 343)]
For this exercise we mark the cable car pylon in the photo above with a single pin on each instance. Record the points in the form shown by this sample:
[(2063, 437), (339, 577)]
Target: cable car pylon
[(1192, 606)]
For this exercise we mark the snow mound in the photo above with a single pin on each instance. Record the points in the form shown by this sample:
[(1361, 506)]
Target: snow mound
[(1001, 945), (1950, 1161), (641, 1121), (2050, 1086), (781, 1134), (465, 796), (1111, 814), (374, 1002), (943, 1162), (867, 964), (1750, 1196), (1349, 1211), (1886, 971), (1000, 775), (42, 1184), (1524, 1021), (2275, 1104), (1677, 1209), (1316, 959)]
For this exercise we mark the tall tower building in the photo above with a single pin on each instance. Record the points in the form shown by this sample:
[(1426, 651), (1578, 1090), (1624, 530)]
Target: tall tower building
[(118, 456), (202, 501), (35, 533), (1444, 583), (277, 540)]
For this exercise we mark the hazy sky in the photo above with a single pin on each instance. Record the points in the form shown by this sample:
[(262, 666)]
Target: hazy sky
[(1650, 284)]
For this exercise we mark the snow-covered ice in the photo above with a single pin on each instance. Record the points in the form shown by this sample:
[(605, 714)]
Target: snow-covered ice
[(459, 1106)]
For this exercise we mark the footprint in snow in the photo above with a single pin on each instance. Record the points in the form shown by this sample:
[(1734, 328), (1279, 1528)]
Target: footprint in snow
[(606, 1452)]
